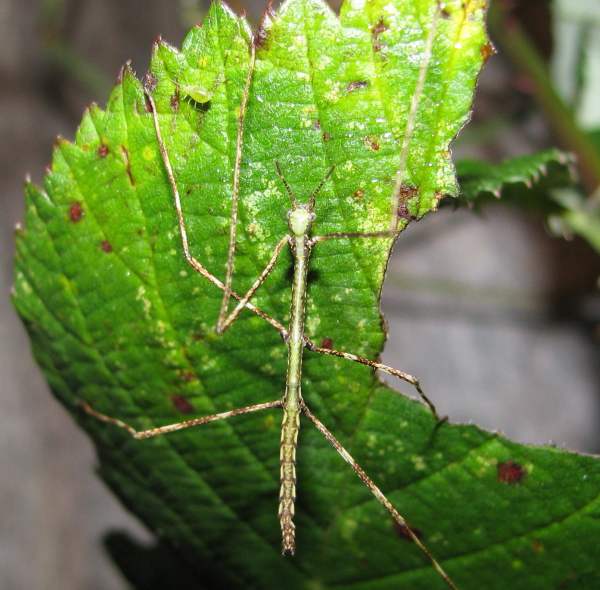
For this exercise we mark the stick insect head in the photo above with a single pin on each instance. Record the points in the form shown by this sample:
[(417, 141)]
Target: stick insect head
[(301, 216)]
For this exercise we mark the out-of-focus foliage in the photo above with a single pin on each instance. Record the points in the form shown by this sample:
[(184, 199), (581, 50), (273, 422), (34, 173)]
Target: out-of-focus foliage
[(524, 179)]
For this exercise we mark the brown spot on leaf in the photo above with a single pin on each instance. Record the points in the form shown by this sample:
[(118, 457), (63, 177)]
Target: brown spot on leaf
[(356, 85), (326, 136), (103, 151), (76, 212), (537, 546), (175, 101), (182, 404), (150, 81), (188, 376), (261, 37), (327, 343), (445, 13), (106, 246), (379, 28), (262, 34), (125, 153), (404, 533), (372, 143), (407, 192), (359, 193), (511, 472), (487, 50)]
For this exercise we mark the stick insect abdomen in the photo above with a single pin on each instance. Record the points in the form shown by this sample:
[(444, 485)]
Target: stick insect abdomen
[(293, 403)]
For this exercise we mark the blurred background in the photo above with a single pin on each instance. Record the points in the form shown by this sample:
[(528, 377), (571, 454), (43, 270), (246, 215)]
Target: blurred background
[(498, 317)]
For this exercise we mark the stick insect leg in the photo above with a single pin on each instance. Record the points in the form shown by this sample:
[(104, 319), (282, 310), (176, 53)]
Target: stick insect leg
[(349, 235), (160, 430), (359, 359), (235, 197), (257, 283), (193, 262), (335, 443), (379, 366)]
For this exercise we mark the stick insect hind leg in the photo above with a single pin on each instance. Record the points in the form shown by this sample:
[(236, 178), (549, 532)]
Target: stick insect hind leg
[(379, 495)]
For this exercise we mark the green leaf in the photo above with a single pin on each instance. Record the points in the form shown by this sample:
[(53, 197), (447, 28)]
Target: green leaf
[(540, 182), (118, 319), (526, 180)]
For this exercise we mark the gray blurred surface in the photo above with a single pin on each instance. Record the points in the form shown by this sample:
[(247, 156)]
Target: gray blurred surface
[(469, 303), (485, 310)]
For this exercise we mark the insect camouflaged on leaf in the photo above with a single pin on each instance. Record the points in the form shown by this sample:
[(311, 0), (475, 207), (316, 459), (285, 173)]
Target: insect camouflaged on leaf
[(300, 219), (117, 317)]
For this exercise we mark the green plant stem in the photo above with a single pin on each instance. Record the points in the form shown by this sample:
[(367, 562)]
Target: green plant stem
[(520, 50)]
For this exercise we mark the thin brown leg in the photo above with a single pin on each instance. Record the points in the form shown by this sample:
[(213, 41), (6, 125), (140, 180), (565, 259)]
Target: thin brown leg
[(350, 235), (243, 302), (235, 195), (335, 443), (193, 262), (160, 430), (380, 367), (411, 121)]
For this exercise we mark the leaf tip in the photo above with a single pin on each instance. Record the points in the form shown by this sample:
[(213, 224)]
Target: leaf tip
[(127, 71), (260, 37), (92, 108)]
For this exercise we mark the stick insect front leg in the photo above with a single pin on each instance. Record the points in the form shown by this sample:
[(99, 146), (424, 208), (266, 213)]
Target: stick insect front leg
[(227, 292), (376, 491), (359, 359), (168, 428), (243, 302), (190, 259)]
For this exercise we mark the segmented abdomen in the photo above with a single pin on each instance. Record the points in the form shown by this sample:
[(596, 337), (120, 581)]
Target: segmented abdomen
[(287, 492)]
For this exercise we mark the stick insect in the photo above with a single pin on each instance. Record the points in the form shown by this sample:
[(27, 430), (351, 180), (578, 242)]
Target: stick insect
[(300, 240)]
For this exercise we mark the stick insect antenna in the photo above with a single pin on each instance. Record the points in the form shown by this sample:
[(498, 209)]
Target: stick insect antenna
[(313, 195), (288, 188)]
